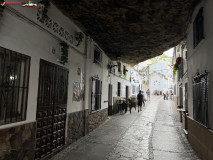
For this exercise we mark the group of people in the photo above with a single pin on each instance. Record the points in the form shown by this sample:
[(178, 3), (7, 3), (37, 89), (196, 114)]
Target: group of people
[(141, 99), (167, 95)]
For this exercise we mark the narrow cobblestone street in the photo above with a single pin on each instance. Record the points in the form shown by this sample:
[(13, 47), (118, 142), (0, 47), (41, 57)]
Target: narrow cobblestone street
[(153, 133)]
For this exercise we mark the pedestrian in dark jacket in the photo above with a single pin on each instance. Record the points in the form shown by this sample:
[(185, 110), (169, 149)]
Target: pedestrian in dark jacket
[(140, 100)]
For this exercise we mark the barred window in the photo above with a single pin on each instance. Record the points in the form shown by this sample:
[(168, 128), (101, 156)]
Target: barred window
[(200, 98), (97, 56), (198, 28), (14, 82), (96, 94)]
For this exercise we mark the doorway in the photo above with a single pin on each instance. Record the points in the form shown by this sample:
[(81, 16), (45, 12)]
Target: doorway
[(51, 108), (110, 104), (127, 92)]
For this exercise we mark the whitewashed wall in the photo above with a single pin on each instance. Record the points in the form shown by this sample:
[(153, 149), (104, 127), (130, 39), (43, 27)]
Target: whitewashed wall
[(20, 35), (200, 58), (20, 31), (158, 82)]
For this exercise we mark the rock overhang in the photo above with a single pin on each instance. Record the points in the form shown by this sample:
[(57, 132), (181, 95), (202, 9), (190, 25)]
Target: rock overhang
[(136, 30)]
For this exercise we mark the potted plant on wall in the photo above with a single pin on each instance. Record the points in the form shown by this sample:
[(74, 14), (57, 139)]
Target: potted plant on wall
[(177, 65), (64, 53), (79, 38), (125, 72), (175, 68), (43, 8)]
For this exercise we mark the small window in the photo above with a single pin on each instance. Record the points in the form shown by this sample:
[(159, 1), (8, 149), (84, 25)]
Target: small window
[(97, 56), (14, 82), (124, 70), (119, 67), (198, 28), (111, 68), (119, 89)]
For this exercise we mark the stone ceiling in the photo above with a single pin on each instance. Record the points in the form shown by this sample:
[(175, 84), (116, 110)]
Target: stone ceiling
[(136, 30)]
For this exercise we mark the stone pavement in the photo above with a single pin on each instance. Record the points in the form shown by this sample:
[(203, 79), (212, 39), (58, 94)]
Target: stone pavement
[(168, 140), (152, 133)]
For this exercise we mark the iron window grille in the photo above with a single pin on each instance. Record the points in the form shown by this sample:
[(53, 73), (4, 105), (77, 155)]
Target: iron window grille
[(96, 94), (97, 56), (14, 83), (200, 98), (198, 28), (119, 89)]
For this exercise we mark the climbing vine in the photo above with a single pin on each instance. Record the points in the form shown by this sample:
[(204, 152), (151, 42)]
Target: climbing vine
[(79, 38), (64, 53), (175, 68)]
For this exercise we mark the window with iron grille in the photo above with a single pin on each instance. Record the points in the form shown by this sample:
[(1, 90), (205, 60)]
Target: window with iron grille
[(119, 89), (96, 94), (14, 82), (200, 98), (198, 28), (97, 56)]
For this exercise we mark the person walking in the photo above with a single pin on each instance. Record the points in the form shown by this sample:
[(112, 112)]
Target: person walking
[(148, 95), (164, 96), (143, 100), (140, 100), (171, 95)]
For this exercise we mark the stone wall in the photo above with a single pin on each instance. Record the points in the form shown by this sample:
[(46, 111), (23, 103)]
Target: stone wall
[(77, 127), (18, 143), (97, 118)]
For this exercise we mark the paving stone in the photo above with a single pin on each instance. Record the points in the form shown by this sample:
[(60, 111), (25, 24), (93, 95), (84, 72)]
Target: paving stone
[(137, 136)]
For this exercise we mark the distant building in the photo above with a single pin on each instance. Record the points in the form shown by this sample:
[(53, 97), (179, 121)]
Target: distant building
[(160, 78)]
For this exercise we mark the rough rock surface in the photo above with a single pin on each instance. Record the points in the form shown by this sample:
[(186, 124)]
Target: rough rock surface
[(136, 30), (18, 143), (97, 118), (76, 125)]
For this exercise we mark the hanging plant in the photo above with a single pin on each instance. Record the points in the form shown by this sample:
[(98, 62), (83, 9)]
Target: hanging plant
[(45, 7), (64, 53), (79, 38), (175, 68), (177, 65)]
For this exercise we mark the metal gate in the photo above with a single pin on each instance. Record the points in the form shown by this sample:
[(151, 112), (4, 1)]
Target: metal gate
[(51, 108)]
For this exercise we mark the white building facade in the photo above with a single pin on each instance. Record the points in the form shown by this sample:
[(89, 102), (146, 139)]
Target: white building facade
[(159, 78)]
